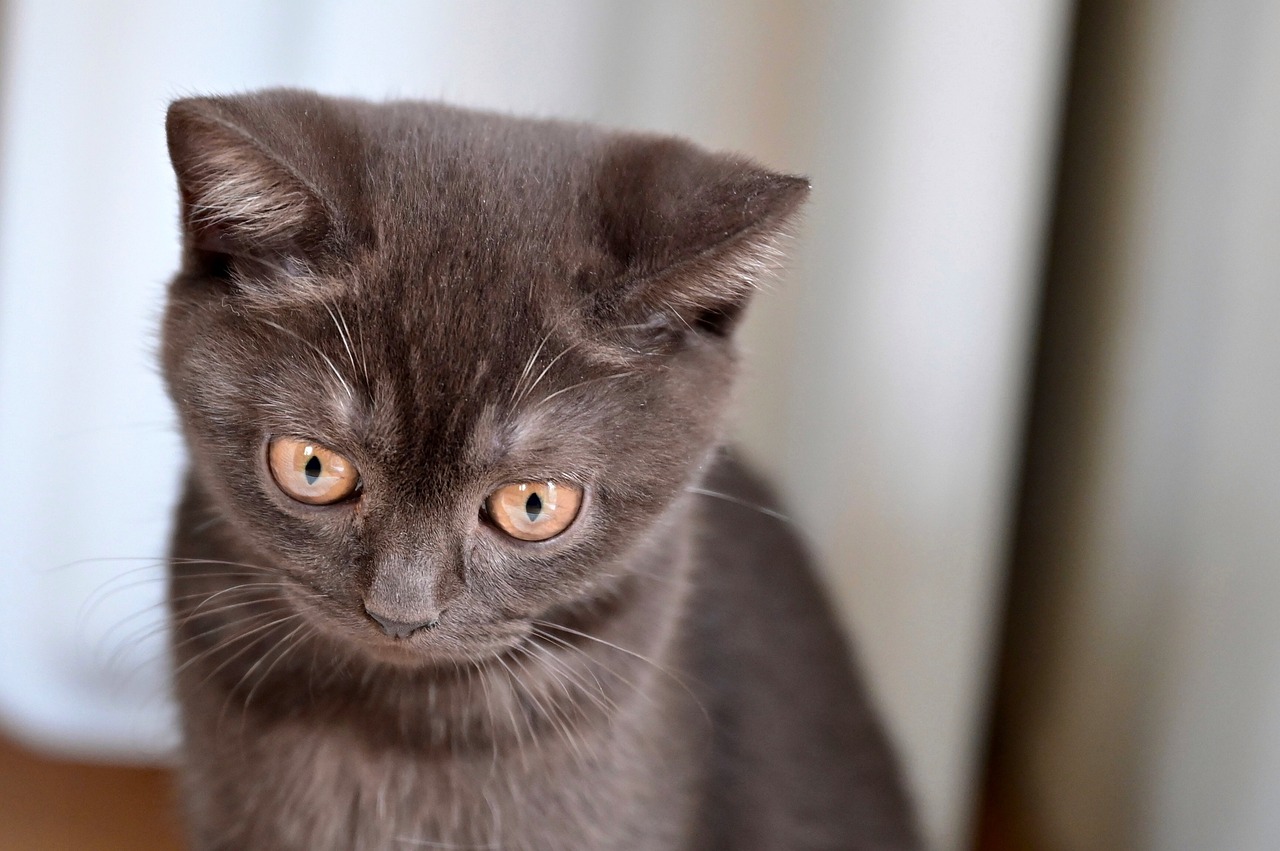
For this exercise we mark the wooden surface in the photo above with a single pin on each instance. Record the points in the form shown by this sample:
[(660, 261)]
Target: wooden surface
[(50, 805)]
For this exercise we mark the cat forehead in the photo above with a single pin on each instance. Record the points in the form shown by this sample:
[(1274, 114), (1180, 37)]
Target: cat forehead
[(364, 363), (415, 420), (454, 223), (483, 209)]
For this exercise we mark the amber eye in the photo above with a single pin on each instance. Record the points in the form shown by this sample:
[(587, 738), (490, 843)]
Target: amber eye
[(534, 511), (310, 473)]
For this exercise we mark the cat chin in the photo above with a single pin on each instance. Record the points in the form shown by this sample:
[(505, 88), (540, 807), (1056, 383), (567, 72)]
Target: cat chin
[(404, 655)]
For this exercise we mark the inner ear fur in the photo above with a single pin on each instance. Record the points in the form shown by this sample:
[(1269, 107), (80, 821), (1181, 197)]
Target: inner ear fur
[(695, 233), (238, 197)]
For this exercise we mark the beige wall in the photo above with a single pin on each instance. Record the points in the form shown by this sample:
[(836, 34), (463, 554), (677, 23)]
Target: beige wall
[(889, 391)]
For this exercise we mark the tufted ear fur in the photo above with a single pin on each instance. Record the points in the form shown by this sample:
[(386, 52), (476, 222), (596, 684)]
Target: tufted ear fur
[(241, 200), (695, 233)]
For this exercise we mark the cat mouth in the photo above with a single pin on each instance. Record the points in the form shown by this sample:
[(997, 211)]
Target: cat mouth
[(409, 653), (445, 644), (455, 638)]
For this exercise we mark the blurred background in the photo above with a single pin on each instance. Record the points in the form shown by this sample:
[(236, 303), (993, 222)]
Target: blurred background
[(1020, 387)]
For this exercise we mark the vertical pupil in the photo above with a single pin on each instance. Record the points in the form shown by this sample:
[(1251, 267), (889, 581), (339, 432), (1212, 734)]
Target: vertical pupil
[(313, 469), (533, 506)]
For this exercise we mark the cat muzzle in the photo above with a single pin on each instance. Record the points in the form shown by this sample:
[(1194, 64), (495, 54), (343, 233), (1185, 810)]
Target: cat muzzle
[(402, 629)]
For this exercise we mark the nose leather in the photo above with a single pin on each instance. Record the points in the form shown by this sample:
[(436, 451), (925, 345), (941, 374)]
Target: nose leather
[(401, 629)]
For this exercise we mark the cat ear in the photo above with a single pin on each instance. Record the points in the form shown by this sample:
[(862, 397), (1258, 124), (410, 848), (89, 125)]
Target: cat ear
[(696, 233), (240, 199)]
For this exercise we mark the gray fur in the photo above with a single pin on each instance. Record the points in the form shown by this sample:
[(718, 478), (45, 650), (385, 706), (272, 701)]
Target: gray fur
[(455, 300)]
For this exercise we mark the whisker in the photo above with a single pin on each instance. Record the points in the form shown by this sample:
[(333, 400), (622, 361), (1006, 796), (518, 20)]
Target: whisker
[(558, 721), (427, 843), (599, 696), (364, 350), (244, 706), (189, 561), (148, 630), (493, 724), (618, 375), (208, 524), (671, 311), (768, 512), (513, 682), (528, 366), (151, 561), (108, 592), (240, 636), (342, 333), (250, 618), (635, 689), (231, 588), (545, 370), (638, 656), (350, 393), (109, 589)]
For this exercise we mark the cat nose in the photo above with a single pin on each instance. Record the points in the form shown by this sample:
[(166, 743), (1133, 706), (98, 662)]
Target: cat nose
[(402, 629)]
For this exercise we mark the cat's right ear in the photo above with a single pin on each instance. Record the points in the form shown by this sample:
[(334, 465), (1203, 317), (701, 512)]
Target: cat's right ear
[(241, 201)]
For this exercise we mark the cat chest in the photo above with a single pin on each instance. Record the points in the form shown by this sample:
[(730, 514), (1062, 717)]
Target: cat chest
[(599, 790)]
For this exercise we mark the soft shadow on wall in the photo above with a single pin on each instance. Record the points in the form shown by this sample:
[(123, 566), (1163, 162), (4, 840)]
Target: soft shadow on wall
[(1137, 703)]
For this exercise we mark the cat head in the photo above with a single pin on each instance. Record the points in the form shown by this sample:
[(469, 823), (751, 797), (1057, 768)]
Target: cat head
[(448, 371)]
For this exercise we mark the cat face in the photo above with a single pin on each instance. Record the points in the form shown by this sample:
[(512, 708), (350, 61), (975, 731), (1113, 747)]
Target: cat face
[(447, 371)]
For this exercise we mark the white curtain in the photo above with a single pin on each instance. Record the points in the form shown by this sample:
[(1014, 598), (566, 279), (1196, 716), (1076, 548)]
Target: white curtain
[(887, 374), (1141, 707)]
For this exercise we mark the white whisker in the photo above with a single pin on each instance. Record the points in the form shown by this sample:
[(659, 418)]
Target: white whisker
[(618, 375), (350, 393), (545, 370), (777, 515), (342, 333)]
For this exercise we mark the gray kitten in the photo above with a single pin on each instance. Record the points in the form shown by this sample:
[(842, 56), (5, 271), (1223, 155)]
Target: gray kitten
[(460, 561)]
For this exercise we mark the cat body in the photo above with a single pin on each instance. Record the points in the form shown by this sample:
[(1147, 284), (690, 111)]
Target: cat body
[(445, 305)]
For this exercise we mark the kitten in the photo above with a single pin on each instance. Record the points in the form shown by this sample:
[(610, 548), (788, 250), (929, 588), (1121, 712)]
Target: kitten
[(460, 562)]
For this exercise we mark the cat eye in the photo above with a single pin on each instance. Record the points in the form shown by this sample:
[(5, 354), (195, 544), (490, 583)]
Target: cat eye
[(310, 473), (534, 511)]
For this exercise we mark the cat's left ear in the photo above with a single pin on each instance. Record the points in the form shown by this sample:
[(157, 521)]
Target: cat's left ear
[(695, 233)]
